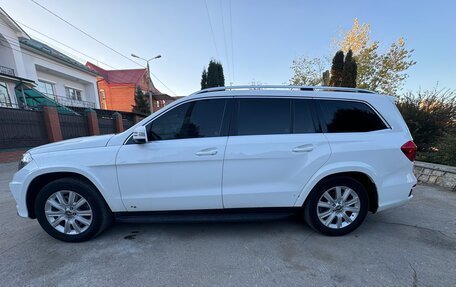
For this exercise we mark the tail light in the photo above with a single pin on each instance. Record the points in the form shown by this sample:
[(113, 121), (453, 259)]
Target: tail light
[(409, 149)]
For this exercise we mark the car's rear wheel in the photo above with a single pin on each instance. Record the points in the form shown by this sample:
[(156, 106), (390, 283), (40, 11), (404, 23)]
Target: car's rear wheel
[(336, 206), (71, 210)]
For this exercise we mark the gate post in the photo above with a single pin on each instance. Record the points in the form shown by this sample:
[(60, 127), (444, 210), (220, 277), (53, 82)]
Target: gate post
[(92, 121), (52, 122), (119, 122)]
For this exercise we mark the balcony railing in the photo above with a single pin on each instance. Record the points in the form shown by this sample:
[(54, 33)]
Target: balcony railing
[(7, 71), (69, 102), (73, 102)]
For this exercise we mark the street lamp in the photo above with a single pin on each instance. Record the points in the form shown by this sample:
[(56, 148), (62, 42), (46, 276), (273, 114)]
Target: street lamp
[(151, 103)]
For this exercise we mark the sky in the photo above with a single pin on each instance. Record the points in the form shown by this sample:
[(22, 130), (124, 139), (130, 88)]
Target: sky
[(256, 41)]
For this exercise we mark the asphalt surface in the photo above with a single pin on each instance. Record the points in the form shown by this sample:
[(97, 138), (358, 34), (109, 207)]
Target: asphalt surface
[(413, 245)]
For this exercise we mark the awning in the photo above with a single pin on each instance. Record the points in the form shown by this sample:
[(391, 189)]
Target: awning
[(18, 80), (35, 100)]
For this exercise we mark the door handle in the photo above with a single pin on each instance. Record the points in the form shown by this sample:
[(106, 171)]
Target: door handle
[(207, 151), (304, 148)]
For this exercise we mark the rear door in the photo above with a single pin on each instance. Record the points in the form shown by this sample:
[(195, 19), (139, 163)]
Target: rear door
[(273, 149)]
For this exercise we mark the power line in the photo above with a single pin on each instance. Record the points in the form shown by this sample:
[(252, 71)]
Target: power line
[(67, 46), (231, 37), (19, 49), (224, 40), (23, 52), (212, 29), (85, 33), (17, 44), (33, 54), (98, 41)]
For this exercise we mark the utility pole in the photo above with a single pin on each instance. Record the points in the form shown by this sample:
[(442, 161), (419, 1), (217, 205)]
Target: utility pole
[(149, 87), (151, 100)]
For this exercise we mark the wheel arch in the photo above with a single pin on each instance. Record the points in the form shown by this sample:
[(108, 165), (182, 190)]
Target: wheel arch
[(41, 180), (364, 176)]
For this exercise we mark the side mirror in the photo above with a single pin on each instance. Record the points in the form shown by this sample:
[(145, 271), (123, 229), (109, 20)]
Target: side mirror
[(140, 135)]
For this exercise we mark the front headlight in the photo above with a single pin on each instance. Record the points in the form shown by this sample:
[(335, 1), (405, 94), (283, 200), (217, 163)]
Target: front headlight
[(26, 158)]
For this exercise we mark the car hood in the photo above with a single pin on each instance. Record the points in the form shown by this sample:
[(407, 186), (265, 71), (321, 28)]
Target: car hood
[(71, 144)]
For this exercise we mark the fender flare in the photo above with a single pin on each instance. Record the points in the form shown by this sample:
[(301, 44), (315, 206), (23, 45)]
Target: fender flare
[(331, 169)]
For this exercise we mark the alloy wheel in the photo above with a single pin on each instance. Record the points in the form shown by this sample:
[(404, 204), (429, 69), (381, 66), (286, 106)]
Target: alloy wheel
[(338, 207), (68, 212)]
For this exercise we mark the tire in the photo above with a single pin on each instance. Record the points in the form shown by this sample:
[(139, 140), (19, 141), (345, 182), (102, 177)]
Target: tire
[(87, 217), (319, 209)]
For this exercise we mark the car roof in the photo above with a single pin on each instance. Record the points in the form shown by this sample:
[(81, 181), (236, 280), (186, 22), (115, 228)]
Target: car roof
[(285, 91)]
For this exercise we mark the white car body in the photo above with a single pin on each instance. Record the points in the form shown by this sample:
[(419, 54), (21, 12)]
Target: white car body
[(231, 171)]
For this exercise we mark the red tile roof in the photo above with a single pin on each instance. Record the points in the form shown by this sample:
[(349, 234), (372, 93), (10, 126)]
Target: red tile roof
[(129, 76)]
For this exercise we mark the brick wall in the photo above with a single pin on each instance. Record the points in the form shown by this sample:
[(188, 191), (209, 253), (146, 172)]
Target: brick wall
[(11, 156), (14, 142)]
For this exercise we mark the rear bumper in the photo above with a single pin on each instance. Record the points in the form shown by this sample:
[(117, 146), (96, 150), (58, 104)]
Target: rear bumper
[(394, 204), (393, 195)]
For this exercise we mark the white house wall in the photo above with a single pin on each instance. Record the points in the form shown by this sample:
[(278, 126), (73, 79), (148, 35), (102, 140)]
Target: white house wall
[(40, 68), (10, 52)]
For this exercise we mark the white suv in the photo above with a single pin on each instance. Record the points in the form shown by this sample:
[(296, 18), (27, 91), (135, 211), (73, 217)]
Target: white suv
[(332, 154)]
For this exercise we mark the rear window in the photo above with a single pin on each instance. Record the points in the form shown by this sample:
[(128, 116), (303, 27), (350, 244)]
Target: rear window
[(348, 116)]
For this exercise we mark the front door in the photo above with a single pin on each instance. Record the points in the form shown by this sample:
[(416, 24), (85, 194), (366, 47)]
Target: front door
[(181, 165)]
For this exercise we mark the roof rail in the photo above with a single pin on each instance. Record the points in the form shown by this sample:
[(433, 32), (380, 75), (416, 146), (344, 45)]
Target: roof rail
[(278, 87)]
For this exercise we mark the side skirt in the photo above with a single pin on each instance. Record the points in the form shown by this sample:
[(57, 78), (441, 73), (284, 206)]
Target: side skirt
[(207, 215)]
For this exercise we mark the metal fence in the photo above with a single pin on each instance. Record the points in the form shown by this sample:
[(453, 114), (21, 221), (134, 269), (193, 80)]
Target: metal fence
[(73, 126), (21, 128), (127, 123), (106, 125), (108, 113)]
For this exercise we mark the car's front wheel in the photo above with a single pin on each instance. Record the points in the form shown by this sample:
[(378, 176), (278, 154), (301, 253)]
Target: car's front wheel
[(337, 206), (71, 210)]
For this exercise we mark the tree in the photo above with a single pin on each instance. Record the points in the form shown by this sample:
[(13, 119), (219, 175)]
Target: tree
[(380, 72), (213, 77), (141, 102), (349, 72), (431, 119), (307, 72), (337, 68), (355, 39), (325, 78), (204, 79)]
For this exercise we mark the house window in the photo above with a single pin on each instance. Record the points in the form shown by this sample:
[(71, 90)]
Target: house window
[(103, 100), (46, 88), (73, 94), (5, 100)]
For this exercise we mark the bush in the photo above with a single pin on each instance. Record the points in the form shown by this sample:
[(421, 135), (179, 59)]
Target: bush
[(431, 118), (444, 153)]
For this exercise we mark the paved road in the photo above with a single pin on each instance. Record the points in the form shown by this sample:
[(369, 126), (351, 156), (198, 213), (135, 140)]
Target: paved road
[(414, 245)]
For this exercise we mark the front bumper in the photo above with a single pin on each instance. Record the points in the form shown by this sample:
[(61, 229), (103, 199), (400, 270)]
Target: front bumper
[(18, 187), (21, 205)]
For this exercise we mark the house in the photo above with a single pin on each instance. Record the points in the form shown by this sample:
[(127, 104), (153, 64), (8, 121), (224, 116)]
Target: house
[(33, 74), (116, 88)]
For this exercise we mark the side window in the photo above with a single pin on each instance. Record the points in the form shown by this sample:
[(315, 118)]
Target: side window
[(348, 116), (169, 125), (264, 116), (205, 119), (191, 120), (302, 117)]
